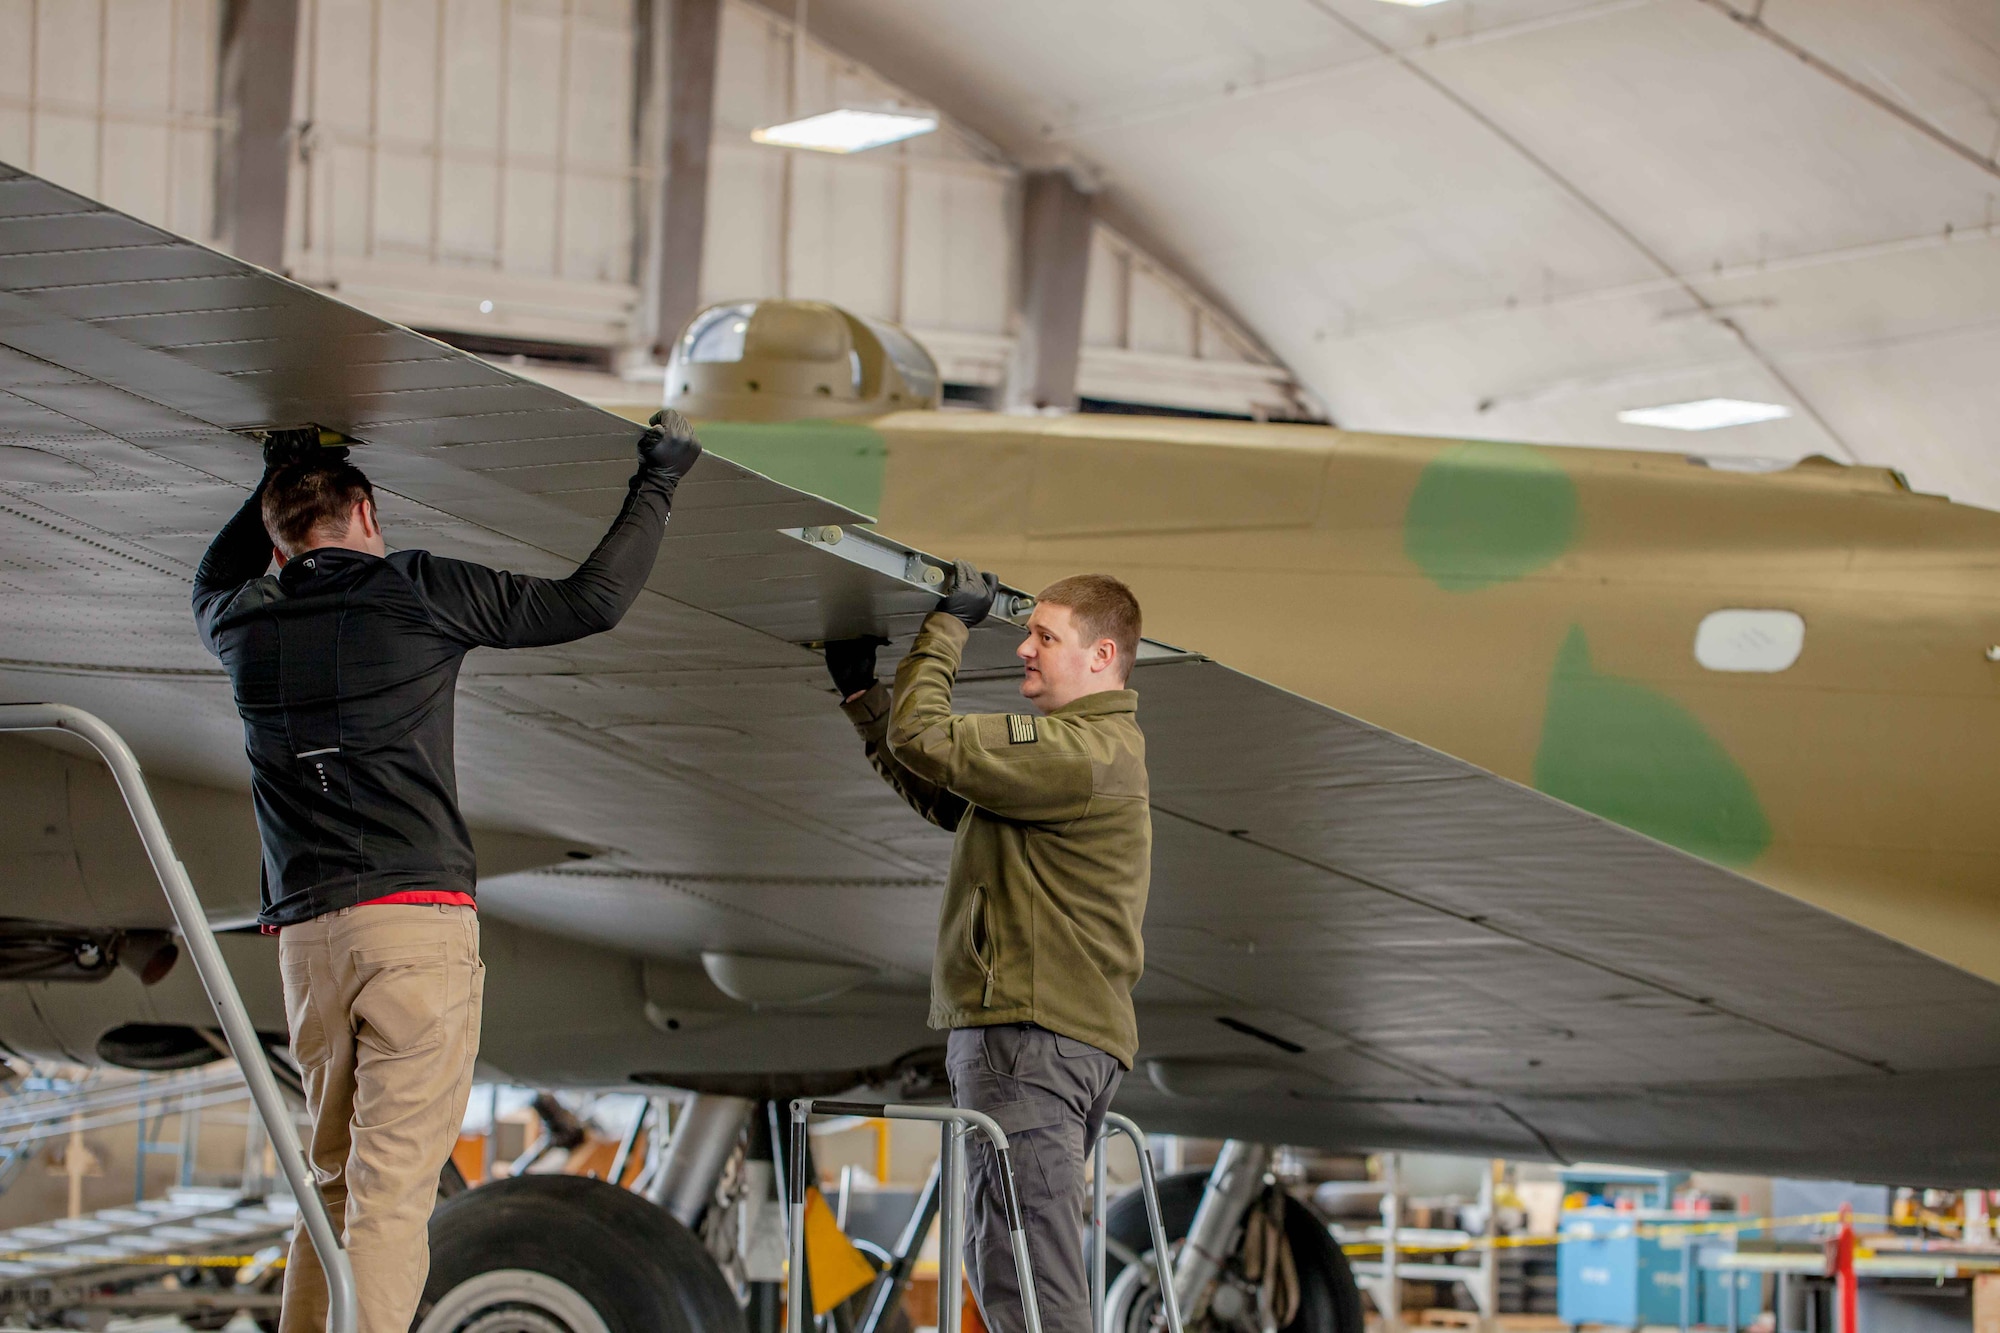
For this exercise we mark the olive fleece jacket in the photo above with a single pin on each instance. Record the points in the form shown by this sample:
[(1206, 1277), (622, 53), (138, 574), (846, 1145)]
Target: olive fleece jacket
[(1047, 892)]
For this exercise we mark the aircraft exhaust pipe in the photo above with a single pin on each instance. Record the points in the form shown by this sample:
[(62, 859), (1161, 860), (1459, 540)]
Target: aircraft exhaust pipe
[(695, 1155)]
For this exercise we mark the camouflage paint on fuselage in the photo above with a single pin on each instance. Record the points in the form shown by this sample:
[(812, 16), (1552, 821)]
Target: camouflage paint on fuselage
[(1486, 513), (1626, 751), (840, 460), (1533, 611)]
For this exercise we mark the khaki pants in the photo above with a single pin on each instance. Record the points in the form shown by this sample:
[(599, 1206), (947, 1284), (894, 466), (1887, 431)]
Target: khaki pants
[(1050, 1094), (383, 1002)]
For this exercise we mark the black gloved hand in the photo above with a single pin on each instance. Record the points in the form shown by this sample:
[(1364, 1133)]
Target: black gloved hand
[(300, 444), (851, 663), (971, 595), (669, 444)]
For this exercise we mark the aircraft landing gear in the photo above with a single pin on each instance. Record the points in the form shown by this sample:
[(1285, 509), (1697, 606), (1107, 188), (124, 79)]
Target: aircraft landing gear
[(1328, 1299), (567, 1254)]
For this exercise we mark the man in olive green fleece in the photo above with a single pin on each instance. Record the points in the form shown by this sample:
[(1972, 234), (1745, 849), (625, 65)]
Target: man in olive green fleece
[(1038, 944)]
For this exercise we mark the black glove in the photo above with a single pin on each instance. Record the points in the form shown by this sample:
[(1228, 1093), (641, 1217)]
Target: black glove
[(971, 595), (669, 444), (300, 444), (851, 663)]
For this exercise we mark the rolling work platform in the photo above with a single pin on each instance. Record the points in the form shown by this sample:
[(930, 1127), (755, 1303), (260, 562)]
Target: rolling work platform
[(100, 1260), (194, 930), (947, 1196)]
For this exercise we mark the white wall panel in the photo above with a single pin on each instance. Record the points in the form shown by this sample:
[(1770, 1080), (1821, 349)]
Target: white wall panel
[(920, 232), (1104, 304), (1161, 321), (740, 251), (958, 269), (844, 231), (17, 78), (474, 165), (494, 145), (69, 53), (136, 156), (115, 98)]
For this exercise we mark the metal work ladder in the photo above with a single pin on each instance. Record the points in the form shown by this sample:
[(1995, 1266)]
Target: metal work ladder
[(216, 980), (955, 1123)]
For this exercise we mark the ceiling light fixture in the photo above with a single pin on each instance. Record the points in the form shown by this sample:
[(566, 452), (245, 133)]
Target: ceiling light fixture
[(1704, 414), (1414, 4), (847, 130)]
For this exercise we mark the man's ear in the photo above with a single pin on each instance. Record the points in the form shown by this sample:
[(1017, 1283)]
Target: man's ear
[(364, 514), (1104, 655)]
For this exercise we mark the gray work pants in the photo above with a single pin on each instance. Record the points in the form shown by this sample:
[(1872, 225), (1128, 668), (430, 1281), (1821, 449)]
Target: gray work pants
[(1049, 1093)]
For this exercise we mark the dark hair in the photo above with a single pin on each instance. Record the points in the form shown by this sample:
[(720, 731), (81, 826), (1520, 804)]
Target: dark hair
[(1104, 608), (301, 498)]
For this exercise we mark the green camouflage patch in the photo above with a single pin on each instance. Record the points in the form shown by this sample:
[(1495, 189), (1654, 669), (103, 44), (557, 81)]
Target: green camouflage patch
[(1625, 751), (841, 461), (1486, 513)]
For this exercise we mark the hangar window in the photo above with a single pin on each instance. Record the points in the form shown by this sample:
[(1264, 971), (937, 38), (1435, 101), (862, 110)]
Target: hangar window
[(718, 335), (1742, 639)]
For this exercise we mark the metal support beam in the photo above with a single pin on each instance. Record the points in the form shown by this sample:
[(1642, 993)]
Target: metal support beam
[(1388, 1288), (680, 210), (1055, 262), (260, 42), (1486, 1288)]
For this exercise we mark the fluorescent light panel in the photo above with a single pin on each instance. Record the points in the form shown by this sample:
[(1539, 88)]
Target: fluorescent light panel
[(847, 131), (1414, 4), (1704, 414)]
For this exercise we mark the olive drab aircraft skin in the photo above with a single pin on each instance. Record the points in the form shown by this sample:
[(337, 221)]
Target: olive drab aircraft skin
[(1789, 672)]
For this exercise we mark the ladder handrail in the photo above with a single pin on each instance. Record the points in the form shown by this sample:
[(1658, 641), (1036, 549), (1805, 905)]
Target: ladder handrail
[(948, 1180), (955, 1123), (1115, 1123), (216, 980)]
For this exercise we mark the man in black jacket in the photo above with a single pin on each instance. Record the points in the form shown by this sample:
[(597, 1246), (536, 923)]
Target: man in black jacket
[(344, 664)]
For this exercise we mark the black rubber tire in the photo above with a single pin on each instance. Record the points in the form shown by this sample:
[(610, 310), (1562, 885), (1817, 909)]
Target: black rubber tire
[(1329, 1300), (638, 1268)]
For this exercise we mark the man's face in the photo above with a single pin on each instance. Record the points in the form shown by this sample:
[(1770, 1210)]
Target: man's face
[(1060, 663)]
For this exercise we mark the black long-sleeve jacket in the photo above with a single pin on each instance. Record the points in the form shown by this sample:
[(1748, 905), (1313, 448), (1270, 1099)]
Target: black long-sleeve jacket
[(345, 666)]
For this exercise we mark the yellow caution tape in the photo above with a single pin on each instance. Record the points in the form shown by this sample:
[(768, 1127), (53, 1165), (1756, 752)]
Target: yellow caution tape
[(1644, 1230), (839, 1270), (140, 1260)]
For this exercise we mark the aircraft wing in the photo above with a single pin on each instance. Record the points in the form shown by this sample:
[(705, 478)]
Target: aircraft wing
[(1352, 940)]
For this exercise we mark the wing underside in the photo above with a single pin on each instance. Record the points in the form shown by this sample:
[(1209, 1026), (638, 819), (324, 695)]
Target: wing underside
[(1352, 939)]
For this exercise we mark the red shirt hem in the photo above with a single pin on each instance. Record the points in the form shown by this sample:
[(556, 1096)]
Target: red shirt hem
[(444, 897), (449, 897)]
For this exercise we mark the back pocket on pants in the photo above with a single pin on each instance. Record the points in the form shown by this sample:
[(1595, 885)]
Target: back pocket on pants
[(401, 1004)]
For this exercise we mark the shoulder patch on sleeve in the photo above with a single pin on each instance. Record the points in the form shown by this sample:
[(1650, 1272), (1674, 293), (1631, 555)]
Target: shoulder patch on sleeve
[(1020, 729)]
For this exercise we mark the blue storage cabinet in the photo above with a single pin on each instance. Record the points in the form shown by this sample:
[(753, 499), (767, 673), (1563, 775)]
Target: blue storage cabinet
[(1717, 1286), (1608, 1272), (1604, 1269)]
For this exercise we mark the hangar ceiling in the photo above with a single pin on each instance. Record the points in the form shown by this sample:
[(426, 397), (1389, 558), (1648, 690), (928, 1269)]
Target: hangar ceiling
[(1516, 218)]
